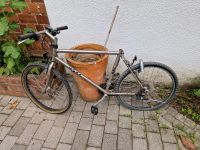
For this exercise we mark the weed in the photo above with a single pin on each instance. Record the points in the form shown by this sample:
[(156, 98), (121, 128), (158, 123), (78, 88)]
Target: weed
[(127, 115), (164, 126)]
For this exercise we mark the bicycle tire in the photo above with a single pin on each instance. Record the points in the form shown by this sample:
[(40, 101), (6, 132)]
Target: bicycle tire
[(136, 68), (36, 100)]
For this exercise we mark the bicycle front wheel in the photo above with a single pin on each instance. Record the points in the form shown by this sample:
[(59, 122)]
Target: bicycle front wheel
[(57, 98), (159, 87)]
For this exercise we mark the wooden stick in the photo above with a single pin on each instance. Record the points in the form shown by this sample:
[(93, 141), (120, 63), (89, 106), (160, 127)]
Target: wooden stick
[(112, 23)]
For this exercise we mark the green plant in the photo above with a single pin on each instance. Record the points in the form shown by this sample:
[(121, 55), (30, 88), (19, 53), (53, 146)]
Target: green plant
[(197, 92), (10, 52)]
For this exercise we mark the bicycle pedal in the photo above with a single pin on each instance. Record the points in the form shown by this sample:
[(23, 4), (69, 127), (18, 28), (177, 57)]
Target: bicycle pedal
[(94, 110)]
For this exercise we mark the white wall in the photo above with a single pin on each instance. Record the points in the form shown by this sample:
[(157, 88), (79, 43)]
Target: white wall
[(166, 30)]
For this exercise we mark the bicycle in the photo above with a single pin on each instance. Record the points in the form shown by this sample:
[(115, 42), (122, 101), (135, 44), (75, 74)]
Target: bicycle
[(145, 86)]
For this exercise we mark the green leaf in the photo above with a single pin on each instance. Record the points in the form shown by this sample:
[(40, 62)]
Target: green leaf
[(3, 26), (197, 92), (35, 70), (11, 63), (28, 30), (18, 4), (10, 51), (29, 41), (14, 26), (20, 67), (1, 70), (2, 3)]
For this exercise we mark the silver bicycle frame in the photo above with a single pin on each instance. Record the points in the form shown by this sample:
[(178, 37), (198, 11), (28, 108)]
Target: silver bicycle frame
[(119, 55)]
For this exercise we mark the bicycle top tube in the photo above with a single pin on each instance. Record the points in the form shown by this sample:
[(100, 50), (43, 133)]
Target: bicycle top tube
[(87, 52)]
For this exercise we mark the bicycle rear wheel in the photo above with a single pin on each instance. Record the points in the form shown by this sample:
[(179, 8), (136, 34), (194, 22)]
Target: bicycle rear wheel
[(159, 81), (58, 96)]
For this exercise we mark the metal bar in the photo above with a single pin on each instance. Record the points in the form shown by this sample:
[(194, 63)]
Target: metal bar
[(87, 52), (122, 94), (112, 23), (80, 75), (112, 72)]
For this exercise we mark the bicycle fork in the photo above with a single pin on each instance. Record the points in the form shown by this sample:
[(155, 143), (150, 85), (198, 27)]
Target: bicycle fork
[(48, 77)]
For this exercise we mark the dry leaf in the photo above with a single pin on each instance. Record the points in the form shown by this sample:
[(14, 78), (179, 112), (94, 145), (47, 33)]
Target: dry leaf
[(14, 104), (187, 143)]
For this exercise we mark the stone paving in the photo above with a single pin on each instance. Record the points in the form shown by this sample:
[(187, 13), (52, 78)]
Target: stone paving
[(115, 127)]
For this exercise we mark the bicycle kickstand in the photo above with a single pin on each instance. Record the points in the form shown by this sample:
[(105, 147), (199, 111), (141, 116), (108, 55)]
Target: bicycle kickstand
[(94, 108)]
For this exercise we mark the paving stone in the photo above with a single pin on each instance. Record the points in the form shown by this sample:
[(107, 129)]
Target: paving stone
[(93, 148), (96, 136), (7, 110), (18, 147), (190, 123), (27, 135), (3, 117), (137, 117), (80, 141), (125, 122), (111, 127), (87, 111), (69, 133), (43, 130), (24, 102), (85, 124), (152, 125), (61, 120), (150, 114), (172, 111), (99, 119), (112, 113), (19, 127), (1, 107), (62, 146), (79, 105), (29, 112), (177, 122), (8, 143), (170, 146), (139, 144), (49, 116), (53, 137), (124, 111), (103, 106), (4, 131), (13, 99), (75, 117), (169, 118), (35, 145), (124, 139), (113, 100), (168, 135), (180, 117), (164, 123), (5, 100), (154, 141), (138, 130), (109, 142), (46, 149), (12, 119), (37, 118)]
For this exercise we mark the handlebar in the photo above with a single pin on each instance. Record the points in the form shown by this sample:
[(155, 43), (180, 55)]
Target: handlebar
[(27, 36), (35, 35)]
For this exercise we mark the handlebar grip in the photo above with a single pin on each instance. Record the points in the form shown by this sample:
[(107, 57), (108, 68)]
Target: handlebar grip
[(62, 28), (26, 36)]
